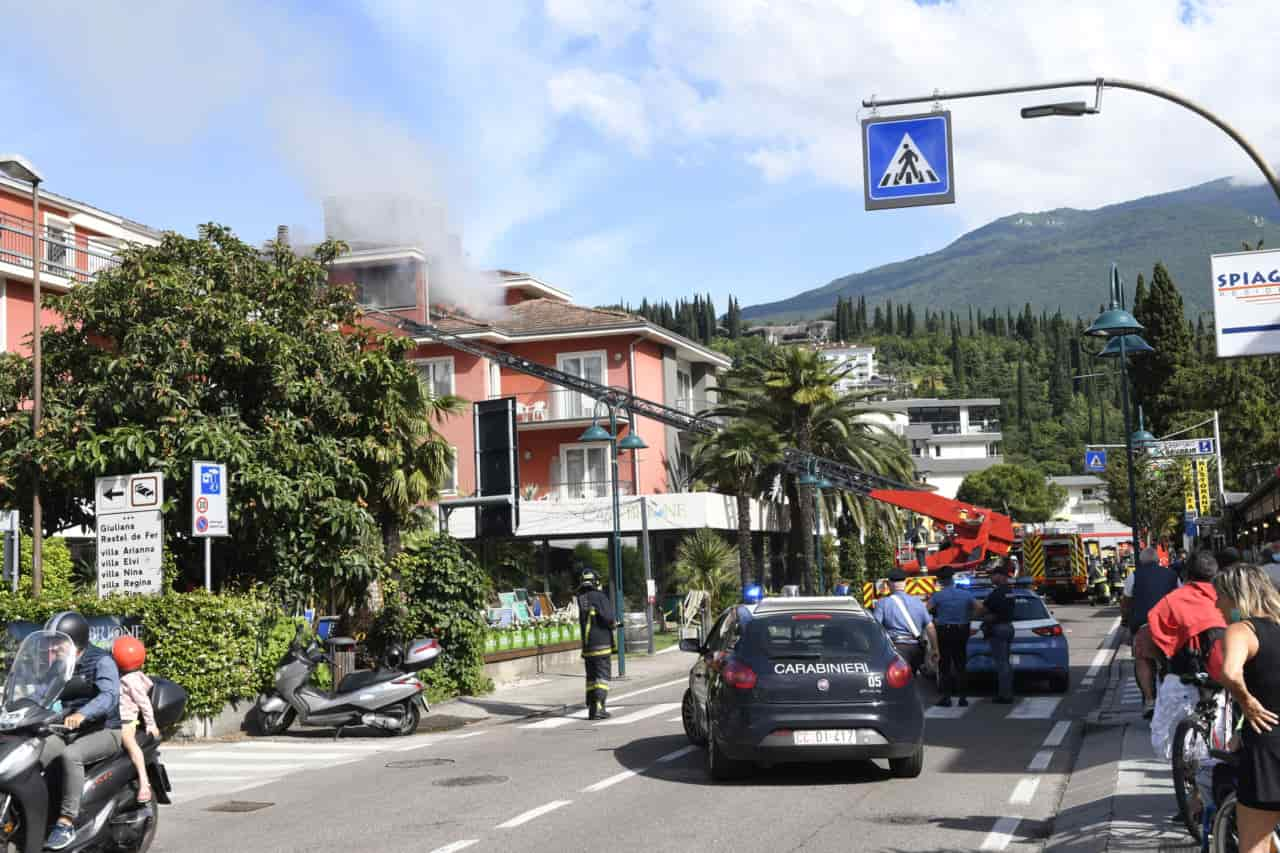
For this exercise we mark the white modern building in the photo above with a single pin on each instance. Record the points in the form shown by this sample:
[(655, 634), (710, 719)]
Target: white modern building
[(949, 439), (859, 361), (1086, 506)]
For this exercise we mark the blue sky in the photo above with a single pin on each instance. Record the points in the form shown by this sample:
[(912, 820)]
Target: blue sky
[(619, 149)]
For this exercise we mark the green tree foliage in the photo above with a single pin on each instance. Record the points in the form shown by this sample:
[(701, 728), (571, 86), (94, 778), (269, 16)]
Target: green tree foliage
[(853, 564), (56, 564), (1163, 315), (735, 459), (209, 348), (1159, 490), (1019, 490), (705, 561), (791, 393), (434, 588), (878, 554)]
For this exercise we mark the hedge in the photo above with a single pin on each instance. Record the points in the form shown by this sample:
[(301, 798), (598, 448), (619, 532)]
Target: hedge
[(219, 647)]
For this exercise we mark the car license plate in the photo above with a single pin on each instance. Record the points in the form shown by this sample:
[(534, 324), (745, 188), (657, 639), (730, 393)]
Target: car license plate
[(826, 737), (1014, 660)]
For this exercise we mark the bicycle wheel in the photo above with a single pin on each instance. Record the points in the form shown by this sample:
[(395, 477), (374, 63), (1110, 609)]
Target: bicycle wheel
[(1223, 838), (1189, 744)]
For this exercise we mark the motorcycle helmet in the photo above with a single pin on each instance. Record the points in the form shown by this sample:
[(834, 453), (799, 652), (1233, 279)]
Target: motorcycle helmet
[(394, 656), (73, 625), (588, 579), (129, 653)]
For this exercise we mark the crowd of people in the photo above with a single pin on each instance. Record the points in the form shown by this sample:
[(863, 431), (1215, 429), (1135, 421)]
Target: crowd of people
[(1215, 613)]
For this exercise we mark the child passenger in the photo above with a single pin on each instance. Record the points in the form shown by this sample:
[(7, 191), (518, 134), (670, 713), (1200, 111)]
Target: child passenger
[(135, 700)]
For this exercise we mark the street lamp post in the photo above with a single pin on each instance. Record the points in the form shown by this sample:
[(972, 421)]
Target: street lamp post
[(20, 169), (1079, 108), (631, 442), (1122, 329)]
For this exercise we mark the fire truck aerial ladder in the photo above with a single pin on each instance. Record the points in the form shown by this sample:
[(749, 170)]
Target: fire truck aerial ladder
[(976, 531)]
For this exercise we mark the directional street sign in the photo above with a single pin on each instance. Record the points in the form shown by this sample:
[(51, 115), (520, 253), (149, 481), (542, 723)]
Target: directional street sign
[(906, 161), (208, 499), (1184, 447), (130, 533), (1095, 461)]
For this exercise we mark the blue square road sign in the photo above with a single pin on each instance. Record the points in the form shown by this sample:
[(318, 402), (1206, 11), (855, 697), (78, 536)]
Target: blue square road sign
[(1095, 461), (210, 480), (907, 161)]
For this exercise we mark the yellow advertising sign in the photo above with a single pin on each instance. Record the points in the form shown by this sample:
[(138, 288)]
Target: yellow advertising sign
[(1188, 486), (1202, 485)]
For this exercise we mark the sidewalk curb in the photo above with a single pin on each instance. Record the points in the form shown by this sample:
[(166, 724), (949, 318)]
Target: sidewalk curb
[(1083, 816)]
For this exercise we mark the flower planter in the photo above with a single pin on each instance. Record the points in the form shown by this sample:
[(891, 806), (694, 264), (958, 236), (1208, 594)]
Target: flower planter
[(506, 641), (491, 642)]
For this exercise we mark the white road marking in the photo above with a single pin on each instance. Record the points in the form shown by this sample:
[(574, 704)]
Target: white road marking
[(1057, 734), (1041, 760), (679, 753), (1037, 708), (1002, 833), (681, 680), (676, 719), (611, 781), (533, 814), (421, 743), (456, 846), (277, 767), (1100, 659), (955, 712), (469, 734), (674, 648), (557, 722), (1025, 791), (273, 755), (636, 716)]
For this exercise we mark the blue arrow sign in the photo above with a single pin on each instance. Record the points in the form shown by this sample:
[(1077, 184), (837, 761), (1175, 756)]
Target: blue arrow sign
[(907, 161), (1095, 461)]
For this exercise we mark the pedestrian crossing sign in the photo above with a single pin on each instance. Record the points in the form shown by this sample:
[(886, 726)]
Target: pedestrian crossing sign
[(1095, 461), (907, 161)]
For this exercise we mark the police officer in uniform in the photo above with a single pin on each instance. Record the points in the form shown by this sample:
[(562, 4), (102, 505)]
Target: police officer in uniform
[(598, 621)]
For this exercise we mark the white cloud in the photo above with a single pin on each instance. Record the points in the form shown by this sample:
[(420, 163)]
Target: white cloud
[(611, 102), (784, 82)]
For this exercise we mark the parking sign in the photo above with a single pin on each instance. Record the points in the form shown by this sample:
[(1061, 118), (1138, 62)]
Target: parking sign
[(208, 499)]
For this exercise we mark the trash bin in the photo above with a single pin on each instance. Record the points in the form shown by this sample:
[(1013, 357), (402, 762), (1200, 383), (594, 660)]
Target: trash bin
[(342, 657)]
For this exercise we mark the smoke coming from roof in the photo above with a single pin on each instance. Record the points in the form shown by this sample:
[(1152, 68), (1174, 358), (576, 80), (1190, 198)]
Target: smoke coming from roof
[(205, 63)]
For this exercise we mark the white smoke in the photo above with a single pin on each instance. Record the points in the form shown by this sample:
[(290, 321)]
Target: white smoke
[(165, 72)]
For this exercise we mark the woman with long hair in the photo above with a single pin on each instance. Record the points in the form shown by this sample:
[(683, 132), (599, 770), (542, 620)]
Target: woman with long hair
[(1251, 672)]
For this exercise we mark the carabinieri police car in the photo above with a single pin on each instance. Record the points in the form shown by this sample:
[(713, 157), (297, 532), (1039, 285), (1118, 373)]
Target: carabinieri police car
[(801, 679)]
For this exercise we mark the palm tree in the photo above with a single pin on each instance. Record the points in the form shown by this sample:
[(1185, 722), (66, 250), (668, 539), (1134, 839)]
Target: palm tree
[(705, 561), (791, 393), (411, 459), (735, 459)]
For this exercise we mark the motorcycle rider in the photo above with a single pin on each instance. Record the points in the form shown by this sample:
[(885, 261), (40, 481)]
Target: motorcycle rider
[(92, 706), (598, 621)]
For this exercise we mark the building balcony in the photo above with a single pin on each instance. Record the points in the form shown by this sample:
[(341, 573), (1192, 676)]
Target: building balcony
[(65, 255), (575, 490), (693, 405), (557, 408)]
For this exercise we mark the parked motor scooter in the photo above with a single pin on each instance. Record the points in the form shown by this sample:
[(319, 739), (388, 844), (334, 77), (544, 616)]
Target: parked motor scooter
[(111, 820), (389, 698)]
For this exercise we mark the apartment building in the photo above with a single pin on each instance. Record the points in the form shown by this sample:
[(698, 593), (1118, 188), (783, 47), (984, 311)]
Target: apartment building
[(858, 361), (1086, 507), (949, 439), (565, 484), (79, 241)]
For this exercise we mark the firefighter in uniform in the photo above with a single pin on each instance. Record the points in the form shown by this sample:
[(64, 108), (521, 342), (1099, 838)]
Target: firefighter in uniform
[(598, 621)]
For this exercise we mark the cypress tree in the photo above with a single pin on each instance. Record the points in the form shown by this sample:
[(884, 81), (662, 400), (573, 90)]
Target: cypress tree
[(1164, 317), (911, 321), (877, 324), (957, 362), (888, 317), (734, 319), (1022, 393)]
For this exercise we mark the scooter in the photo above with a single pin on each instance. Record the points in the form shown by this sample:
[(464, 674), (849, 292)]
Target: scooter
[(389, 698), (111, 820)]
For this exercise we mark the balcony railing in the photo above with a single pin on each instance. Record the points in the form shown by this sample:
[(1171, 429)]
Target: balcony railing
[(63, 255), (984, 426), (576, 490), (692, 405), (556, 404)]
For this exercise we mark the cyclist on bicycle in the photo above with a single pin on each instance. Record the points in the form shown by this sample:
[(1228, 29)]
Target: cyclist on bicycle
[(1186, 625)]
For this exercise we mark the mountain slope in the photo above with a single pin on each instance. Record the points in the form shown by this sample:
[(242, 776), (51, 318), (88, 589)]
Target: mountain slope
[(1061, 258)]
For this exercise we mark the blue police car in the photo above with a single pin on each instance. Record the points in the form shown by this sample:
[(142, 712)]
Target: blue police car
[(1039, 647)]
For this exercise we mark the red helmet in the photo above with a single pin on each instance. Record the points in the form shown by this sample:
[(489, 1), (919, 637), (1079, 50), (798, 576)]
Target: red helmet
[(129, 653)]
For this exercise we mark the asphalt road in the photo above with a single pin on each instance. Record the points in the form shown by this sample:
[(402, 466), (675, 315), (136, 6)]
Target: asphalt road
[(993, 778)]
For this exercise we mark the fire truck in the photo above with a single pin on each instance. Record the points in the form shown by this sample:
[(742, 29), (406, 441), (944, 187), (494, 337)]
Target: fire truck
[(1056, 559)]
